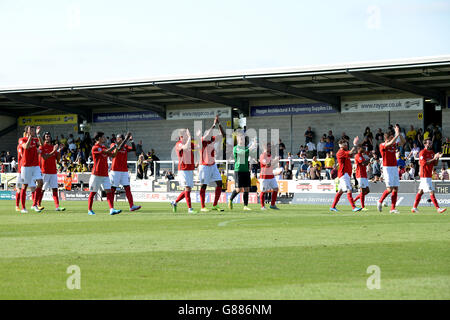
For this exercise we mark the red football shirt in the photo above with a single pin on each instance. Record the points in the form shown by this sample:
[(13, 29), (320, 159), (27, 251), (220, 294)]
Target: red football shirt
[(361, 169), (100, 167), (426, 170), (388, 155), (344, 163), (19, 156), (30, 156), (208, 152), (264, 160), (48, 166), (185, 157), (119, 162)]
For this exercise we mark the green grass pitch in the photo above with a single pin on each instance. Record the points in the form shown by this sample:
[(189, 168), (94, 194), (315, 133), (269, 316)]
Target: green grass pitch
[(299, 252)]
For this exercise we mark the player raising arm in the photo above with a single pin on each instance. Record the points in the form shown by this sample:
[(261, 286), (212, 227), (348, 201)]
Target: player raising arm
[(345, 170), (268, 181), (390, 170), (186, 165), (48, 158), (427, 160), (119, 169), (30, 171), (208, 171)]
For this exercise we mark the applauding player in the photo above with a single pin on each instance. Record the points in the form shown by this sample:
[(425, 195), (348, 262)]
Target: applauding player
[(361, 161), (48, 158), (390, 170), (30, 171), (208, 171), (119, 169), (186, 165), (345, 170), (427, 160), (268, 181), (99, 178)]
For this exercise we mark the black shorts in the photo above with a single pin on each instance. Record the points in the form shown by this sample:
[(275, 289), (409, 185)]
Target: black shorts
[(241, 179)]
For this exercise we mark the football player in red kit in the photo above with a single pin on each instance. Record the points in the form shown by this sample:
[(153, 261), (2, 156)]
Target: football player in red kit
[(30, 170), (48, 158), (268, 182), (186, 165), (361, 161), (208, 171), (345, 171), (119, 169), (390, 170), (99, 178), (427, 160)]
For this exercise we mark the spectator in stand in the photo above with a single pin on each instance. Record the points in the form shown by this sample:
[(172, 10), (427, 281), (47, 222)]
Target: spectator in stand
[(379, 136), (329, 164), (142, 167), (411, 134), (367, 144), (329, 145), (311, 150), (170, 176), (334, 172), (281, 148), (70, 139), (419, 138), (330, 136), (376, 168), (316, 162), (309, 135), (446, 152), (287, 173), (303, 168), (321, 152), (437, 140), (302, 157), (400, 160), (224, 181), (368, 134), (314, 172), (290, 162), (13, 165), (63, 140), (139, 149), (428, 134), (406, 175), (435, 175), (444, 174), (345, 136), (113, 138), (415, 157)]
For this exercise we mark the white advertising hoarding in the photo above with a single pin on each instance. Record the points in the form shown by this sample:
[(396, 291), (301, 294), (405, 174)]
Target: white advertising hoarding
[(201, 113), (382, 105)]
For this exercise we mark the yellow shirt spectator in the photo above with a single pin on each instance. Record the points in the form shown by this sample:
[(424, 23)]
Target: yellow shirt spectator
[(315, 163), (329, 162), (411, 134)]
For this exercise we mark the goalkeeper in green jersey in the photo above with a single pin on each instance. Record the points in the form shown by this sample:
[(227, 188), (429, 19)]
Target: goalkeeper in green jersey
[(241, 153)]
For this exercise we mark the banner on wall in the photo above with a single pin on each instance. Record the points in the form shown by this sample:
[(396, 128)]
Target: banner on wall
[(291, 109), (47, 120), (126, 116), (201, 113), (382, 105)]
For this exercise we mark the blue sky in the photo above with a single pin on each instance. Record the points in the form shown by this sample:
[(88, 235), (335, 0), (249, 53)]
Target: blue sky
[(53, 42)]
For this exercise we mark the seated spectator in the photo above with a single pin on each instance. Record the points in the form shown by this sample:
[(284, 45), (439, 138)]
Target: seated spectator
[(444, 174), (330, 137), (345, 136), (170, 176), (407, 174), (302, 167), (287, 174), (224, 181), (334, 172), (310, 150), (316, 162), (314, 172)]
